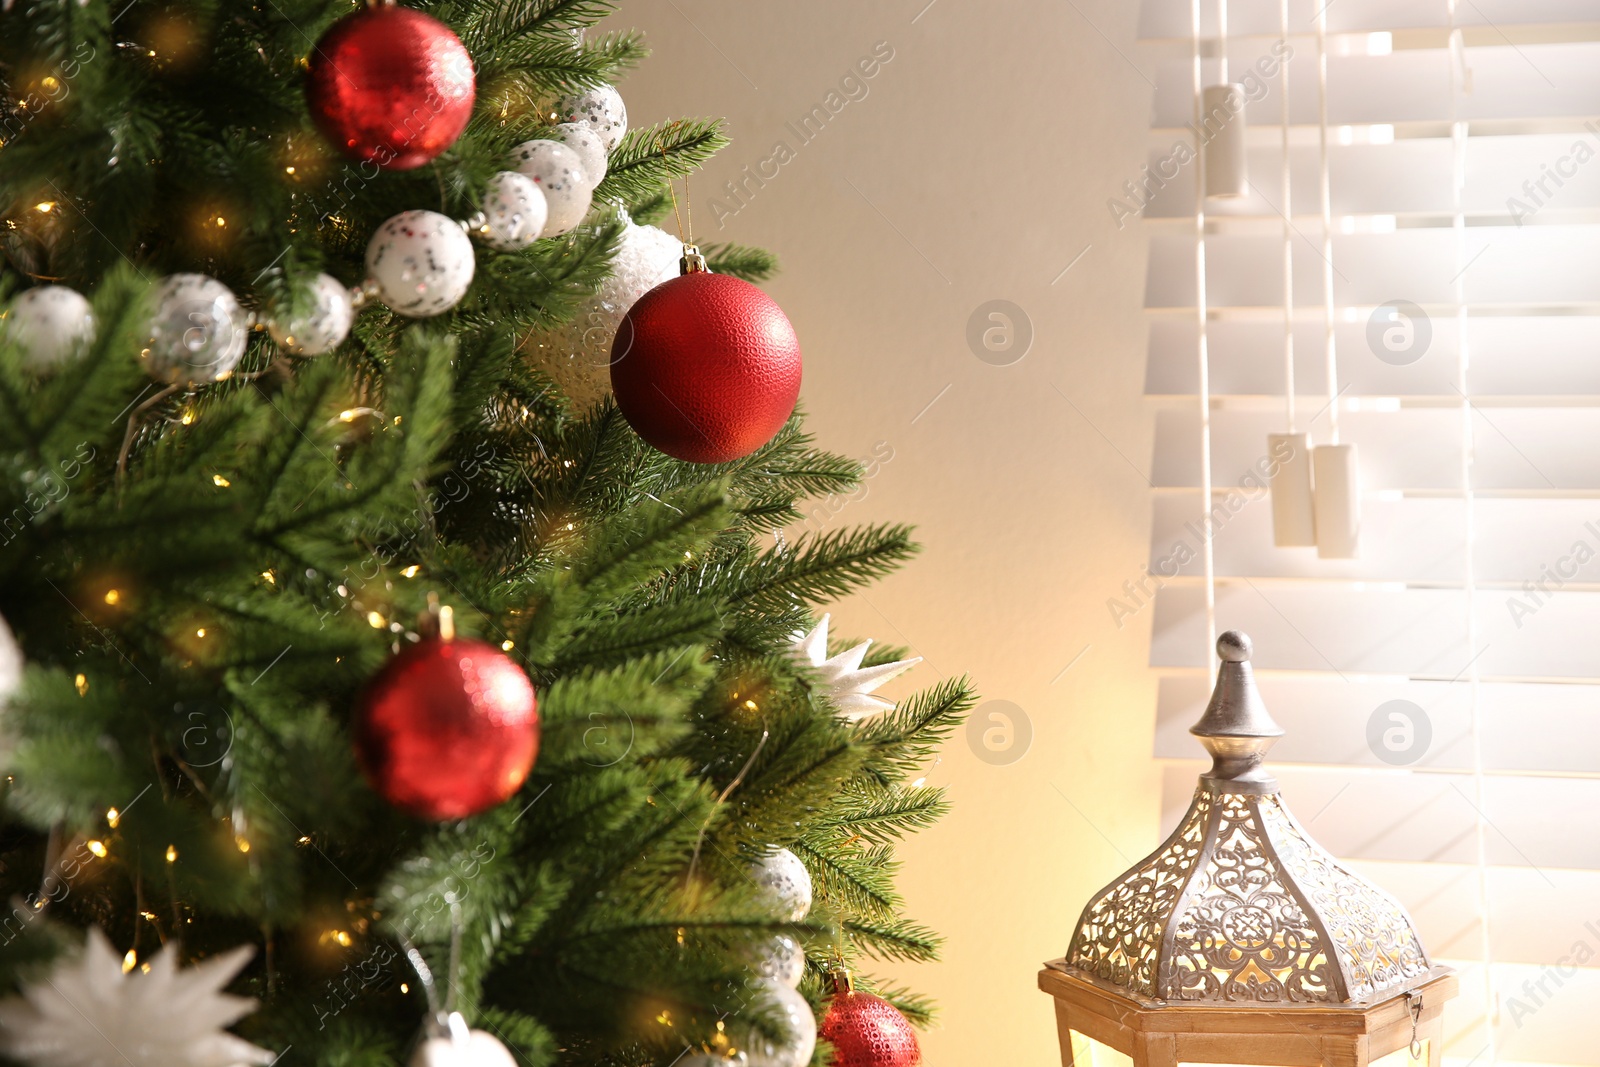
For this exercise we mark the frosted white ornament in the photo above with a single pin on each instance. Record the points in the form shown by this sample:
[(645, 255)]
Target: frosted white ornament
[(782, 959), (198, 332), (577, 354), (10, 662), (514, 211), (422, 263), (708, 1059), (51, 323), (785, 884), (559, 174), (86, 1012), (849, 685), (324, 327), (476, 1049), (600, 108), (798, 1020), (590, 146)]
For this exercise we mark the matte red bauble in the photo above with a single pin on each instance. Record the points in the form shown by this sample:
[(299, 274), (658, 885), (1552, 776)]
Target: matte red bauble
[(391, 86), (868, 1031), (448, 729), (706, 367)]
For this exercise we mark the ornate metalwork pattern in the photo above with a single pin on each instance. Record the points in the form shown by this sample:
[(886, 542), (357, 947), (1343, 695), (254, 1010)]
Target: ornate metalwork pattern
[(1241, 933), (1378, 948), (1239, 905), (1122, 929)]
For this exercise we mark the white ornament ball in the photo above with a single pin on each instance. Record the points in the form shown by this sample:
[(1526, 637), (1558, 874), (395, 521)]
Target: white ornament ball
[(559, 174), (577, 354), (590, 146), (324, 327), (782, 959), (422, 263), (480, 1049), (785, 884), (10, 662), (785, 1003), (600, 108), (514, 211), (51, 323), (198, 332)]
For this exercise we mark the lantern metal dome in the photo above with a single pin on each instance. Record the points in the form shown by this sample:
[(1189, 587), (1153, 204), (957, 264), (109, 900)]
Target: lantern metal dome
[(1239, 905)]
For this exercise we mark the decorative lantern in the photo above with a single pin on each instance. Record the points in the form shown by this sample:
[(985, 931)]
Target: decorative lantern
[(1240, 940)]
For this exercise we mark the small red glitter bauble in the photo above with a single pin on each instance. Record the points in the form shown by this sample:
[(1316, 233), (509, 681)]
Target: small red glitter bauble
[(868, 1031), (448, 729), (391, 86), (706, 367)]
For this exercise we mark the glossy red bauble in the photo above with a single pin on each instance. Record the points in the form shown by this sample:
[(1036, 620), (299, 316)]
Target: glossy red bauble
[(391, 86), (448, 729), (868, 1031), (706, 367)]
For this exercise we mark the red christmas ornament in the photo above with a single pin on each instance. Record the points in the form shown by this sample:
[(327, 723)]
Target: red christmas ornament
[(391, 86), (705, 367), (867, 1031), (448, 729)]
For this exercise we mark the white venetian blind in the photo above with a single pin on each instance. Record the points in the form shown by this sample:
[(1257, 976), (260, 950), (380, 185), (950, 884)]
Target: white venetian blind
[(1463, 177)]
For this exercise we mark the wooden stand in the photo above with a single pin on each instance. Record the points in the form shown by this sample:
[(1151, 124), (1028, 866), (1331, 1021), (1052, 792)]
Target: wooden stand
[(1159, 1034)]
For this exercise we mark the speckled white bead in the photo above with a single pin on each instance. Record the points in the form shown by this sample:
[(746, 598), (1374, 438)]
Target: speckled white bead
[(51, 324), (777, 999), (324, 327), (785, 884), (590, 146), (600, 108), (559, 174), (198, 332), (422, 262), (514, 211), (782, 959)]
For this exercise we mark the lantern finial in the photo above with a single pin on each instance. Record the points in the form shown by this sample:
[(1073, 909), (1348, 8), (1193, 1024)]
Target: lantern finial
[(1237, 729)]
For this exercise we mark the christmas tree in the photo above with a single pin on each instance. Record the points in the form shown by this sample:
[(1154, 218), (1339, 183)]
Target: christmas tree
[(253, 483)]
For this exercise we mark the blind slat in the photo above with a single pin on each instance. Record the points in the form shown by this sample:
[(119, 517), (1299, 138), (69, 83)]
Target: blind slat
[(1327, 724), (1548, 355), (1549, 450), (1416, 540), (1404, 632), (1170, 19), (1407, 86), (1508, 267)]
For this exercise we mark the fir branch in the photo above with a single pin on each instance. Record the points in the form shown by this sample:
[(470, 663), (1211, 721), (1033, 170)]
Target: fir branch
[(818, 568), (881, 817), (647, 159), (485, 26), (855, 883), (902, 740), (893, 939), (741, 261)]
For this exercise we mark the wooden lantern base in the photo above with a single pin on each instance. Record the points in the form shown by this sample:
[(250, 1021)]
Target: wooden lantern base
[(1158, 1034)]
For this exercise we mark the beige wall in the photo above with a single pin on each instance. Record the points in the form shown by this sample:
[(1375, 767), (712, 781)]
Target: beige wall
[(977, 167)]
